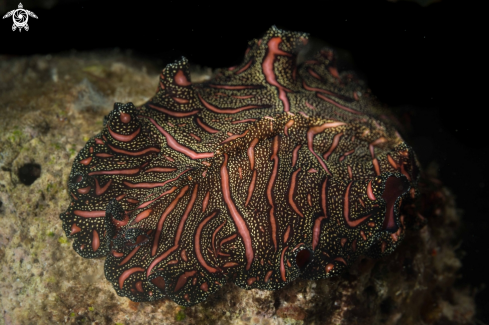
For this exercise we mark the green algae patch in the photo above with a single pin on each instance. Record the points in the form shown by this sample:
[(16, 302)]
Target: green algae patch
[(16, 136), (63, 240), (180, 316), (91, 309), (51, 279), (56, 145), (96, 70), (72, 151)]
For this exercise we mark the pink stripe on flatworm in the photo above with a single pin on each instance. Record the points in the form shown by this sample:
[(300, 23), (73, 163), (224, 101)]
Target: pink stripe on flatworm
[(153, 185), (206, 127), (346, 209), (336, 141), (205, 201), (287, 233), (160, 169), (239, 87), (244, 68), (244, 121), (172, 112), (230, 264), (74, 229), (181, 101), (145, 204), (269, 70), (181, 79), (213, 241), (127, 273), (340, 259), (392, 162), (90, 214), (268, 275), (131, 171), (316, 231), (251, 152), (101, 190), (196, 137), (104, 155), (370, 192), (311, 133), (215, 109), (243, 97), (228, 238), (178, 235), (161, 221), (271, 183), (297, 246), (343, 107), (295, 154), (250, 281), (251, 188), (282, 267), (235, 215), (84, 190), (172, 143), (375, 162), (293, 181), (134, 153), (314, 74), (334, 72), (346, 154), (287, 126), (95, 240), (142, 215), (139, 240), (324, 91), (405, 173), (323, 197), (86, 161), (309, 105), (182, 280), (117, 254), (121, 137), (198, 251), (235, 136)]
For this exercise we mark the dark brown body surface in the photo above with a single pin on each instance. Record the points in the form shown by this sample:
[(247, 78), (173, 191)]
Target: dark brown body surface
[(268, 172)]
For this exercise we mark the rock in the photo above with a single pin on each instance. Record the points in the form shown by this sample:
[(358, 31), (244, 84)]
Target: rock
[(45, 121)]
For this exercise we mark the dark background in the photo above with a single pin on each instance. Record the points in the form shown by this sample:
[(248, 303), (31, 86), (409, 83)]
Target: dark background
[(428, 61)]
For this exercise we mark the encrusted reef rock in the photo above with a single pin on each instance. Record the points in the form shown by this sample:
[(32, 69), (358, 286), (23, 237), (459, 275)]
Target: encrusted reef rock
[(52, 105)]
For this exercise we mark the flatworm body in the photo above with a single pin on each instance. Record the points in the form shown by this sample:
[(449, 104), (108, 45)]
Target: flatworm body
[(269, 172)]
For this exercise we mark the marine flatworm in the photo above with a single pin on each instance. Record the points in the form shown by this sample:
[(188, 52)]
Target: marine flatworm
[(269, 172)]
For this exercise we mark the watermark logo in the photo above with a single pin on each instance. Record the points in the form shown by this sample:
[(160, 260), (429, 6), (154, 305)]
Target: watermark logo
[(20, 17)]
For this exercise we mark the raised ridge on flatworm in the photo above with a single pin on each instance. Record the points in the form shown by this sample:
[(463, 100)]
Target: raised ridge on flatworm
[(269, 172)]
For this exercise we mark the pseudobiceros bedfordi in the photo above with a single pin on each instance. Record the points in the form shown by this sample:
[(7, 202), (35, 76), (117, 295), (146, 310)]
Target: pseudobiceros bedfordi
[(268, 172)]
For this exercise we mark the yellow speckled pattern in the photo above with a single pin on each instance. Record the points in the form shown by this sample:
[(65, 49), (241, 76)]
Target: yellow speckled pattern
[(268, 172)]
